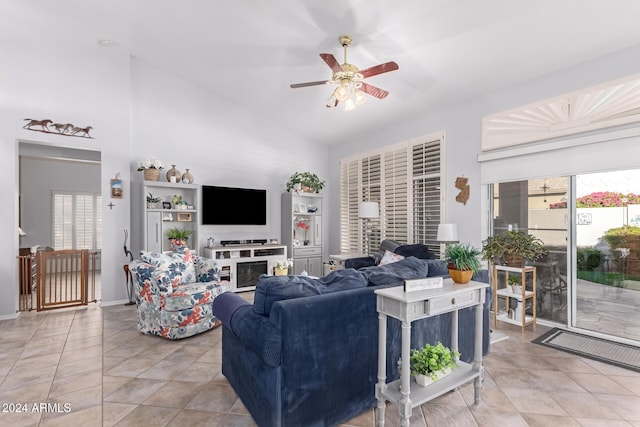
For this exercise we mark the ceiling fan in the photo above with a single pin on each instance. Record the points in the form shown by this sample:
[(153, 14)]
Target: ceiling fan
[(349, 78)]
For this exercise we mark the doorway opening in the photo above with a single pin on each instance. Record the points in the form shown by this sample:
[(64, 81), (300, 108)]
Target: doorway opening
[(59, 210)]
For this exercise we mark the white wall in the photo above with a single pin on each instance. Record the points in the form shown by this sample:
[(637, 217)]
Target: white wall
[(137, 111), (84, 87), (221, 144), (462, 125)]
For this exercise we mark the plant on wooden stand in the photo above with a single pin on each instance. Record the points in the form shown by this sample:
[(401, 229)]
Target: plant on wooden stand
[(512, 248), (432, 362), (463, 261)]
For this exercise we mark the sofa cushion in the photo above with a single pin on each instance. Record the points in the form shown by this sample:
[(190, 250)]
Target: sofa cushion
[(437, 267), (271, 289), (390, 258), (395, 273), (417, 250)]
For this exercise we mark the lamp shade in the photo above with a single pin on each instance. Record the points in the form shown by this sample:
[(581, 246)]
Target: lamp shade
[(447, 233), (368, 210)]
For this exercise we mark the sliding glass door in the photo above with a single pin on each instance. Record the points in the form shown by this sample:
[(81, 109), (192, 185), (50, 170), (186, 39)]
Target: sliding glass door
[(539, 207), (591, 225), (607, 286)]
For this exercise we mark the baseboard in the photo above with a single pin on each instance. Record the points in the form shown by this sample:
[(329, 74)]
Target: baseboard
[(118, 302)]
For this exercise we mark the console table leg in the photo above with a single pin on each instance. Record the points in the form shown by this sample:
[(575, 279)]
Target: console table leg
[(382, 368), (405, 402)]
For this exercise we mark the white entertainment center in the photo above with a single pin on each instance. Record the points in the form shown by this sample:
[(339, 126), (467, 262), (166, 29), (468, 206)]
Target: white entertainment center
[(240, 262), (242, 265)]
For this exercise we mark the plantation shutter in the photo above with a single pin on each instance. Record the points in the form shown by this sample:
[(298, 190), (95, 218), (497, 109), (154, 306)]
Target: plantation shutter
[(405, 179), (349, 196), (77, 220), (426, 188), (395, 201)]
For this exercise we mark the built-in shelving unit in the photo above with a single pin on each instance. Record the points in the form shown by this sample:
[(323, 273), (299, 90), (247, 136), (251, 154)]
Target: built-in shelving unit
[(157, 220), (302, 231)]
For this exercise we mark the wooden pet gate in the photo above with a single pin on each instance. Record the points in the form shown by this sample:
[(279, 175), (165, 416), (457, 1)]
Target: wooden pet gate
[(57, 279)]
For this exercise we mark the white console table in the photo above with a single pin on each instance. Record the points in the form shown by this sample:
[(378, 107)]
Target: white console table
[(407, 307)]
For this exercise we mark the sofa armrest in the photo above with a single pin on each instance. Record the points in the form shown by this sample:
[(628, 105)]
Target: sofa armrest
[(360, 262), (253, 329)]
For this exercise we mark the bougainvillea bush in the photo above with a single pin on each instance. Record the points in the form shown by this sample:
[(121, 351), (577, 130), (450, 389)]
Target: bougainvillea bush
[(606, 199)]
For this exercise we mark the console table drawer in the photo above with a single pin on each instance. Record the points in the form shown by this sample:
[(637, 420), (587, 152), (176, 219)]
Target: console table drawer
[(307, 251), (445, 304)]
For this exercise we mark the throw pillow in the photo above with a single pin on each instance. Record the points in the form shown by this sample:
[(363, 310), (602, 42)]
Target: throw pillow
[(417, 250), (390, 257)]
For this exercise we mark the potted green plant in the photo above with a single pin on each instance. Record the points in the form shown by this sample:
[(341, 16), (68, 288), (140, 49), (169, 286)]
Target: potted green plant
[(514, 282), (305, 181), (512, 248), (463, 261), (432, 362), (178, 237), (152, 202)]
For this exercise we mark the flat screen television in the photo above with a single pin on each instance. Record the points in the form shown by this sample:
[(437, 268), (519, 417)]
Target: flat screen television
[(233, 206)]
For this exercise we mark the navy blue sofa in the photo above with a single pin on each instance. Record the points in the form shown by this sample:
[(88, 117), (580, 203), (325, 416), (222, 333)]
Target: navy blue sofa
[(305, 353)]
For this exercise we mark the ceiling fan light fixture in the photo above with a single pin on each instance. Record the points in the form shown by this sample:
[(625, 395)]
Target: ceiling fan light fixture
[(342, 92), (348, 78)]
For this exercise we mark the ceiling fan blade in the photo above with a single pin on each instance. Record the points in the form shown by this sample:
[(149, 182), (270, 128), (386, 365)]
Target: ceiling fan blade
[(332, 62), (318, 83), (373, 91), (379, 69)]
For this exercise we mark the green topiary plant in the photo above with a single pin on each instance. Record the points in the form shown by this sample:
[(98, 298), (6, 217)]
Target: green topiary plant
[(305, 179), (432, 359)]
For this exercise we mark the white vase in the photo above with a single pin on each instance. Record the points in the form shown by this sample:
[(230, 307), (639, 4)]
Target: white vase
[(425, 380)]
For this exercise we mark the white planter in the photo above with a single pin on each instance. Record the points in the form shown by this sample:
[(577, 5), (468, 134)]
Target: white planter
[(517, 289), (425, 380)]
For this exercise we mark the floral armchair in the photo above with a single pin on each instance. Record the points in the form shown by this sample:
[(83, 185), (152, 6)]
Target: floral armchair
[(175, 292)]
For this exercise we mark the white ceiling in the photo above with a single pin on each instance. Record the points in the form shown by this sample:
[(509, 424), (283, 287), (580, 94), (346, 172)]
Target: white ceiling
[(249, 51)]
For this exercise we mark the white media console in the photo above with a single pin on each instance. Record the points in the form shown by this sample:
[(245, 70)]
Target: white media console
[(242, 265)]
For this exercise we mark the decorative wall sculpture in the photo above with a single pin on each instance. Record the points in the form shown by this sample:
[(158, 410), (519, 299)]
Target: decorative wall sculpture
[(465, 191), (66, 129)]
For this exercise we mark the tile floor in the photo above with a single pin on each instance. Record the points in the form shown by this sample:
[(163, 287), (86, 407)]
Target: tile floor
[(90, 367)]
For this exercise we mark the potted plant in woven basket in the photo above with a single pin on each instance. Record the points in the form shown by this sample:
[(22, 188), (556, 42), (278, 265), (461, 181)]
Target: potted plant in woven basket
[(151, 168), (305, 182), (463, 261), (513, 248)]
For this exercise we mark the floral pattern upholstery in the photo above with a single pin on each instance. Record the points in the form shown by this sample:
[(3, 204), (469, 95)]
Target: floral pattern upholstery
[(175, 292)]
